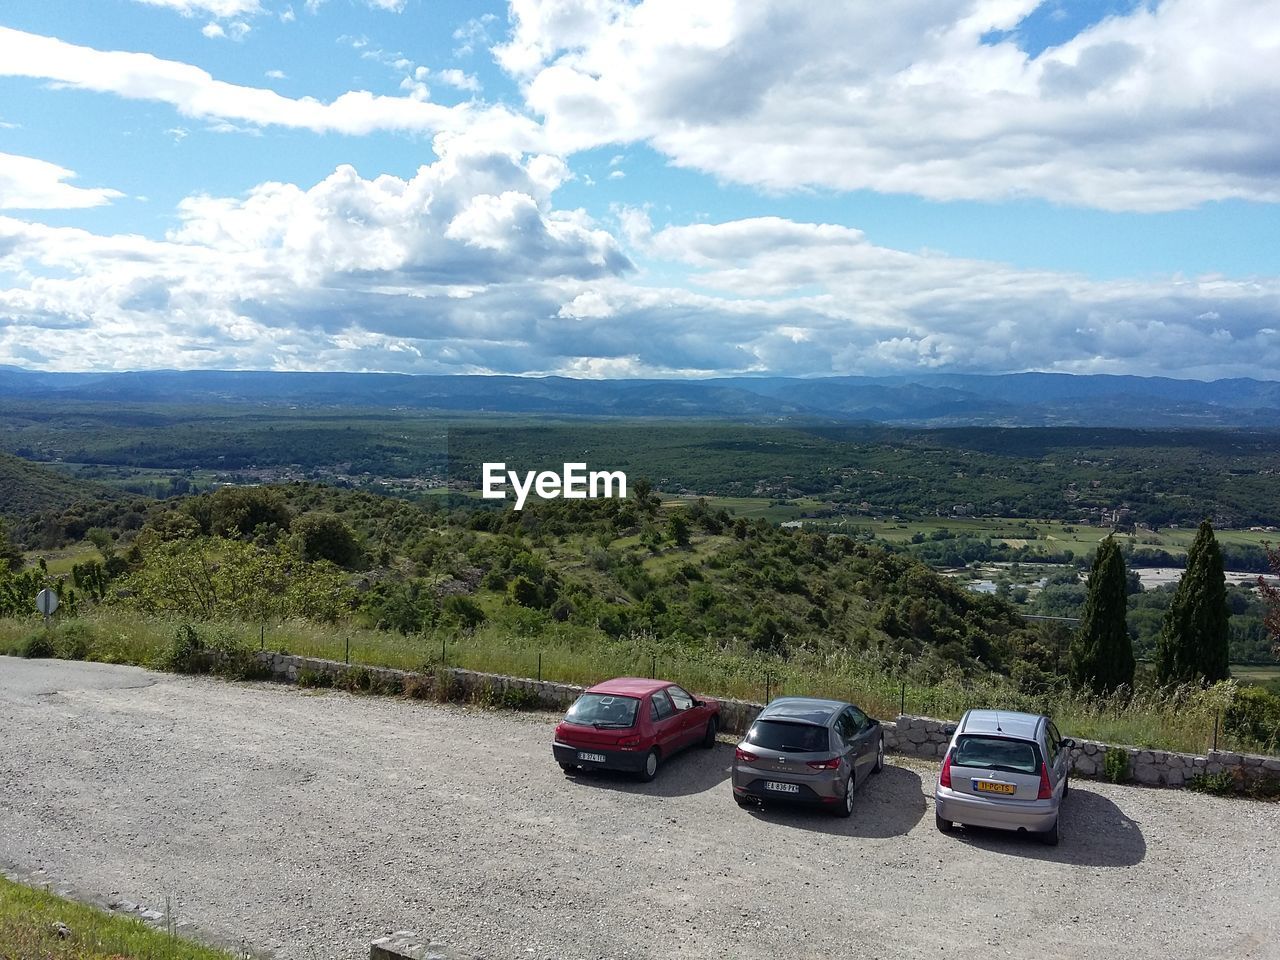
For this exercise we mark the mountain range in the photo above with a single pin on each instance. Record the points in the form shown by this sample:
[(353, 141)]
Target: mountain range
[(936, 400)]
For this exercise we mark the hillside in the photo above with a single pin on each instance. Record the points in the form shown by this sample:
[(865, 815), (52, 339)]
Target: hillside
[(28, 488)]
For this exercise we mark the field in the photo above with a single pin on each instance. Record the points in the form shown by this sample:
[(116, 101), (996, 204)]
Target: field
[(1079, 538), (31, 921)]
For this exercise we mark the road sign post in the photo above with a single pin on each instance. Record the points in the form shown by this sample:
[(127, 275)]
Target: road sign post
[(46, 603)]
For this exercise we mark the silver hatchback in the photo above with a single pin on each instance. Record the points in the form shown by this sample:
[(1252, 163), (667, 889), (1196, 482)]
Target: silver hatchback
[(1004, 770)]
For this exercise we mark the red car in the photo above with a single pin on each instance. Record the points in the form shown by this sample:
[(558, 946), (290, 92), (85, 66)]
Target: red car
[(633, 724)]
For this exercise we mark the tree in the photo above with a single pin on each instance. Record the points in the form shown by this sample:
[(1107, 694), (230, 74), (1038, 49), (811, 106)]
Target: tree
[(1101, 657), (323, 536), (678, 529), (1271, 596), (1193, 643), (10, 554)]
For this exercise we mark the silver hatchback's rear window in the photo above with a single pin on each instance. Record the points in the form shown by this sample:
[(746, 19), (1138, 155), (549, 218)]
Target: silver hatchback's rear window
[(997, 753)]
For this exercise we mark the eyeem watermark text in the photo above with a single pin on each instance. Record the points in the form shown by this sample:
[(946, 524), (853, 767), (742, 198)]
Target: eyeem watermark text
[(574, 483)]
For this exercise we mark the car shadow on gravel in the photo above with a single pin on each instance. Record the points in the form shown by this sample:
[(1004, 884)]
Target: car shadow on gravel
[(687, 773), (889, 804), (1095, 833)]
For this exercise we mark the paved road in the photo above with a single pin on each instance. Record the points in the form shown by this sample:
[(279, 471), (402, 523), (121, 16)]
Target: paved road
[(309, 824)]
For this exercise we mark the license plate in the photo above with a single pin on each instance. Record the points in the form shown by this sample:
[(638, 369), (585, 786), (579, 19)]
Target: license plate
[(782, 787), (987, 786), (593, 757)]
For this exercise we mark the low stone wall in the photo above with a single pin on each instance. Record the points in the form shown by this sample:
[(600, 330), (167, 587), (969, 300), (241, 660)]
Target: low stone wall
[(914, 736), (927, 737)]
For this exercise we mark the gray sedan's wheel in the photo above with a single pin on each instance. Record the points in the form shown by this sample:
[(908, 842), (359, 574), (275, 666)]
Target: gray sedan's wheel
[(568, 767), (709, 738), (650, 766), (1050, 837), (1066, 787), (943, 825), (743, 802), (879, 757), (846, 809)]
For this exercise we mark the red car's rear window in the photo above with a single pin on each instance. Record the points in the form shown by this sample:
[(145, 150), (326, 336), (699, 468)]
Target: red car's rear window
[(603, 710)]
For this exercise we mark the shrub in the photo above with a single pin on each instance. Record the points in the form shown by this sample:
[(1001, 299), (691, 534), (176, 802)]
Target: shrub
[(38, 646), (1115, 765), (1254, 715), (1218, 784), (187, 652), (315, 678)]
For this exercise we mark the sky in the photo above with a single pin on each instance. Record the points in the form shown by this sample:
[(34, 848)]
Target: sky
[(642, 188)]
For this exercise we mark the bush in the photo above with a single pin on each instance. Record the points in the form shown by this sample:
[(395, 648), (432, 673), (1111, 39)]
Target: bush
[(1218, 784), (314, 679), (187, 652), (1115, 765), (1254, 715), (38, 646)]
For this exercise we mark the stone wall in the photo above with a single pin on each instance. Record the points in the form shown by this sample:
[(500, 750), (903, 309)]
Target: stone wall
[(927, 737), (407, 945), (914, 736)]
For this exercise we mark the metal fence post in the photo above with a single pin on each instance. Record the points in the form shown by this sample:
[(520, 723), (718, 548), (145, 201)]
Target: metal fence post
[(1216, 717), (348, 649), (539, 666), (653, 668), (902, 700), (767, 698), (262, 636), (442, 654)]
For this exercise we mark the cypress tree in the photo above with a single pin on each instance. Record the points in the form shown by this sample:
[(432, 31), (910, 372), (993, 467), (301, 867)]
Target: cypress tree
[(1193, 641), (1102, 653)]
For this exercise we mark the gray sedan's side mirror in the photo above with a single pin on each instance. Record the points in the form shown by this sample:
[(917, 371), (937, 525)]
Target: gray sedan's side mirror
[(949, 729), (1068, 743)]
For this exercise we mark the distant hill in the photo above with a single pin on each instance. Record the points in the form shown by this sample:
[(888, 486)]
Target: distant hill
[(932, 400), (27, 488)]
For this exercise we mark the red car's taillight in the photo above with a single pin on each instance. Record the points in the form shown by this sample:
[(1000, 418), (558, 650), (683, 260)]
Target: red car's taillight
[(745, 757), (1046, 788), (944, 778), (628, 744), (832, 764)]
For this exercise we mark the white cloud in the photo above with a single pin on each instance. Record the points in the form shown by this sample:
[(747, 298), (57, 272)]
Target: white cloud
[(458, 79), (1154, 109), (237, 30), (30, 184), (451, 269), (215, 8), (390, 6), (194, 93), (277, 75), (468, 267)]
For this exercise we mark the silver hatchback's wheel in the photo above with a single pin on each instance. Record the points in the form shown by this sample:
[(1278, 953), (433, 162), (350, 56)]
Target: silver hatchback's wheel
[(650, 766), (1050, 836), (879, 757), (943, 825)]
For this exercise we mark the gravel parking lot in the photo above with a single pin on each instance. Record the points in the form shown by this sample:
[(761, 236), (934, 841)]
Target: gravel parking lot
[(309, 824)]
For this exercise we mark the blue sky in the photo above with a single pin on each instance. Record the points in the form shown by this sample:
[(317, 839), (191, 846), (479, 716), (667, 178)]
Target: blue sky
[(641, 187)]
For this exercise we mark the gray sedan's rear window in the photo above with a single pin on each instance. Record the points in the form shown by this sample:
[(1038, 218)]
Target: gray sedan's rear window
[(789, 737), (603, 710), (997, 753)]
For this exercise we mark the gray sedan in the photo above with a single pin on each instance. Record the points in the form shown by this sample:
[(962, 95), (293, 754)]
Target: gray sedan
[(802, 750)]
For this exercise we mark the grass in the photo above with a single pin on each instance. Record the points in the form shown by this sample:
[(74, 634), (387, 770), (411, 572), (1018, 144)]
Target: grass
[(564, 653), (28, 931)]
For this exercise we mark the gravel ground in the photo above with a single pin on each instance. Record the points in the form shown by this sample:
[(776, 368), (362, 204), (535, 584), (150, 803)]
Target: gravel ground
[(309, 824)]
